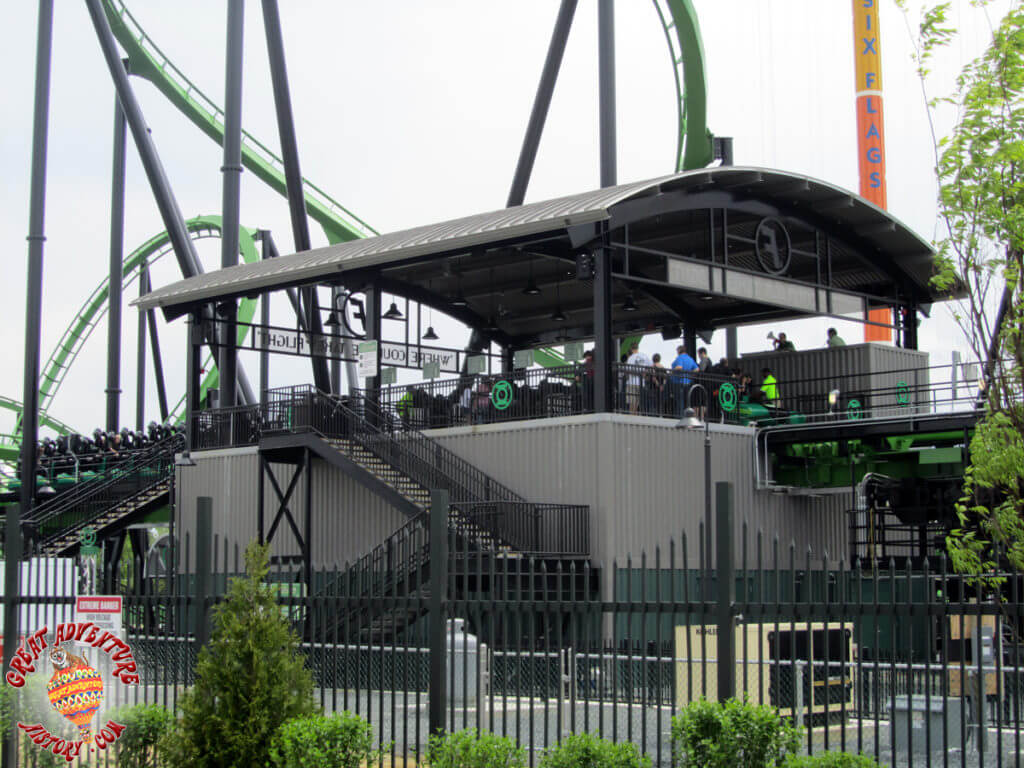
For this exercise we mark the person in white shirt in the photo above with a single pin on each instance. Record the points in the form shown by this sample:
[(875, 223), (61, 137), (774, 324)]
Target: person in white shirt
[(635, 380)]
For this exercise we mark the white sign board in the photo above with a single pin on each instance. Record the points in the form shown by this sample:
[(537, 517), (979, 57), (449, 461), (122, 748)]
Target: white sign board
[(102, 610), (409, 356), (295, 343), (367, 359)]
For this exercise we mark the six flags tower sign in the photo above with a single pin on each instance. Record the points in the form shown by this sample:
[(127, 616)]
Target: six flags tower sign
[(75, 688)]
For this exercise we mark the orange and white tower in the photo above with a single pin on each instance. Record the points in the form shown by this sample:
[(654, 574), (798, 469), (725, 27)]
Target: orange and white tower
[(867, 52)]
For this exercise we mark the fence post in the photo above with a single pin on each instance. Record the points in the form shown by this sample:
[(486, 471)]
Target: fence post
[(438, 695), (204, 569), (726, 592)]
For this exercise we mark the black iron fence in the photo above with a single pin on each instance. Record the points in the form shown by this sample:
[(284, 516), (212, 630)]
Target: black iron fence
[(911, 666)]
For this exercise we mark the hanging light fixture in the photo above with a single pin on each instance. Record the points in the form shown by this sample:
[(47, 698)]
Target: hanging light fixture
[(430, 335), (459, 300), (629, 305), (531, 289), (393, 313), (558, 315)]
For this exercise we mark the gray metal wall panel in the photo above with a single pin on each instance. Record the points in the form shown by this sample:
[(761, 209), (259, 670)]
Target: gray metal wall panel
[(854, 370), (891, 366), (229, 478), (348, 519), (643, 481)]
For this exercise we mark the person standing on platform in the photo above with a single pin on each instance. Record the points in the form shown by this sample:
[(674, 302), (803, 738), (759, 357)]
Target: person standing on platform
[(703, 361), (770, 387), (680, 383), (635, 381), (782, 344), (834, 339)]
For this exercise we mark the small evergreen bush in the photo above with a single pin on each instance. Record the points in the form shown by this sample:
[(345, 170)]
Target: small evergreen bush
[(831, 760), (337, 741), (584, 750), (250, 679), (735, 734), (467, 750), (145, 725)]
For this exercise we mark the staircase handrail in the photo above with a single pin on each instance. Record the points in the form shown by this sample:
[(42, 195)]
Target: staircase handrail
[(465, 482), (160, 451)]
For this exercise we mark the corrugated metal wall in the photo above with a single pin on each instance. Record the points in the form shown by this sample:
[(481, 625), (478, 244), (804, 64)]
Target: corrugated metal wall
[(348, 519), (854, 369), (643, 481)]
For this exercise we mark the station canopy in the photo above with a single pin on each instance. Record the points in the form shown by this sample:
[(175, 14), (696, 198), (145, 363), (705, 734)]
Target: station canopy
[(699, 250)]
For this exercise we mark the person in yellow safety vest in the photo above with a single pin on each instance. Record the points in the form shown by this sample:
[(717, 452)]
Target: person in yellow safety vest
[(769, 386), (403, 406)]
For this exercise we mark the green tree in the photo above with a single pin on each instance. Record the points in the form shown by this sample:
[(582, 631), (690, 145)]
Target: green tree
[(980, 169), (250, 679), (733, 734)]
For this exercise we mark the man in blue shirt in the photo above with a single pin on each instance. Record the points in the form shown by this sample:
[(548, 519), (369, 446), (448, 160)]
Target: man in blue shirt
[(680, 383)]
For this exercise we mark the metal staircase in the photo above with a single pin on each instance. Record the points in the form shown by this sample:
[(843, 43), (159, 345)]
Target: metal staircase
[(487, 521), (127, 492)]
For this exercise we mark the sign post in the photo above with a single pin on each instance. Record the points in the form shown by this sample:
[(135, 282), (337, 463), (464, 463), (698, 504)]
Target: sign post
[(368, 352)]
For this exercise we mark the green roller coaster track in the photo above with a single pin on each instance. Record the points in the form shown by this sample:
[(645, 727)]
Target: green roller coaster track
[(145, 59), (95, 308)]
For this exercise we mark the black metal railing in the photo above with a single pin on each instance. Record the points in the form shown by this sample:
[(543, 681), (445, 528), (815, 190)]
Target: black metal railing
[(485, 508), (532, 393), (360, 420), (233, 427), (87, 502)]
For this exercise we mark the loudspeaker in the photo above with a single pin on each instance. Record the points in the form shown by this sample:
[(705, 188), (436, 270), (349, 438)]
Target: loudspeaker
[(671, 332)]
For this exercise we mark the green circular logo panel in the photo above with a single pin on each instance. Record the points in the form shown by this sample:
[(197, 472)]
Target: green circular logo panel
[(502, 395), (727, 397), (902, 393), (854, 410)]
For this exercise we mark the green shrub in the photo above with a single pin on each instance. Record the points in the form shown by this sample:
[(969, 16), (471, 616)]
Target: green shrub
[(467, 750), (30, 704), (831, 760), (339, 741), (584, 750), (250, 679), (145, 725), (735, 734)]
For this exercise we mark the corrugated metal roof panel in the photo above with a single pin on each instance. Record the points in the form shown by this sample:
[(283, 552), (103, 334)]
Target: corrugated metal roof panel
[(465, 232), (892, 239)]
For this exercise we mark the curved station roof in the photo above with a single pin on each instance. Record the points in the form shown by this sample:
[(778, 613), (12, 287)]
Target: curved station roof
[(701, 249)]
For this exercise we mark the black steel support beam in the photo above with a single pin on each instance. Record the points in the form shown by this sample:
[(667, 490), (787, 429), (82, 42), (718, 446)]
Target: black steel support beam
[(114, 293), (910, 322), (193, 334), (140, 355), (606, 89), (438, 610), (307, 524), (541, 103), (167, 205), (292, 171), (232, 170), (604, 349), (266, 252), (158, 360), (33, 321), (374, 331)]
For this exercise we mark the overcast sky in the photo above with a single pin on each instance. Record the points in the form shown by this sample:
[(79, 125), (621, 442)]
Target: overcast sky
[(412, 112)]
